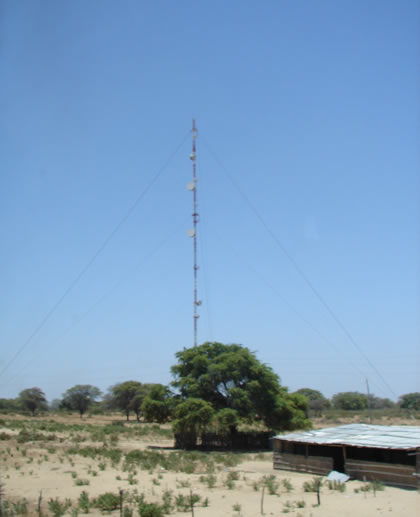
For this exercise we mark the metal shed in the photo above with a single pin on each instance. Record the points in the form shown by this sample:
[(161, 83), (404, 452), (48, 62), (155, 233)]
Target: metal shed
[(390, 454)]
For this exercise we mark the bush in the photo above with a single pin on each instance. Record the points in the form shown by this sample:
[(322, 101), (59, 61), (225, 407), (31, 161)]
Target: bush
[(150, 510), (271, 483), (312, 486), (336, 485), (84, 503), (108, 502), (58, 508)]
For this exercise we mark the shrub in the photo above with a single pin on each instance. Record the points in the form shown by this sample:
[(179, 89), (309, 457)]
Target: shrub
[(150, 510), (233, 475), (336, 485), (83, 501), (184, 503), (210, 480), (81, 482), (312, 486), (58, 508), (287, 485), (271, 483), (167, 501), (108, 502)]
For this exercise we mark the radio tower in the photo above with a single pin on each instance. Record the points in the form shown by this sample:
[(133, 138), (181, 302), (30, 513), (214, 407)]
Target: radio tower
[(193, 231)]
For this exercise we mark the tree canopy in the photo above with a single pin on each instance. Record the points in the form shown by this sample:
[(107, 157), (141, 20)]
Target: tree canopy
[(231, 377), (350, 400), (317, 401), (80, 397), (128, 396), (158, 404), (33, 399), (410, 401)]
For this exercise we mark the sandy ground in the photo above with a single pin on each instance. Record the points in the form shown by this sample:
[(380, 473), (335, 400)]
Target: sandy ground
[(31, 468)]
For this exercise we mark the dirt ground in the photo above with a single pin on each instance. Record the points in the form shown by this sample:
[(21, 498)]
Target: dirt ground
[(37, 461)]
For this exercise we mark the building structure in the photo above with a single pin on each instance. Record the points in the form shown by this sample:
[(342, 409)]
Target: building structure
[(390, 454)]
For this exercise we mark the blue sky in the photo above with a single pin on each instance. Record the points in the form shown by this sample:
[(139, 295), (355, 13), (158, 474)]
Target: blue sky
[(308, 142)]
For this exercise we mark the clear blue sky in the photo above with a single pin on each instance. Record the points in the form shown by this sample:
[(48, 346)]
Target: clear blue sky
[(308, 120)]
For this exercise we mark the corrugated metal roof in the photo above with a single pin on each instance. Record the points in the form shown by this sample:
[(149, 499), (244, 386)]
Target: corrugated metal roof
[(360, 435)]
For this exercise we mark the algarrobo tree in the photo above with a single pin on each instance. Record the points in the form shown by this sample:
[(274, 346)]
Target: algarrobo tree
[(231, 377), (80, 397), (158, 404), (410, 400), (136, 403), (350, 400), (317, 401), (123, 396), (191, 419), (33, 399)]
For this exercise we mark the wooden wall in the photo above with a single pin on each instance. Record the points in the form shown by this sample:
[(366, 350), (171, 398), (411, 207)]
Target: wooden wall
[(313, 464), (400, 475), (391, 473)]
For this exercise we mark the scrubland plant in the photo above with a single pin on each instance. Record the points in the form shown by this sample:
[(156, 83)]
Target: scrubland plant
[(81, 482), (167, 498), (150, 510), (209, 480), (132, 480), (146, 509), (313, 485), (186, 503), (271, 483), (183, 483), (287, 507), (336, 485), (7, 509), (58, 508), (287, 485), (107, 502), (83, 502)]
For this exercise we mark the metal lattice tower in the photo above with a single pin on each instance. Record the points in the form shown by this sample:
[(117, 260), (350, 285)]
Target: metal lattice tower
[(193, 232)]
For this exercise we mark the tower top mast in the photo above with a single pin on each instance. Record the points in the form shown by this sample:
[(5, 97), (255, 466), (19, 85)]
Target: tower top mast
[(193, 232)]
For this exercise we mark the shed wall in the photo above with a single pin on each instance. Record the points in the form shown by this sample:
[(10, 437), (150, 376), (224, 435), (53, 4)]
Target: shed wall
[(291, 456), (299, 463), (394, 474)]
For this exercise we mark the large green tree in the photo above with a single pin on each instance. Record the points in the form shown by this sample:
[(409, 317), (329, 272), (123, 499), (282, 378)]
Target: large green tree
[(231, 377), (33, 399), (80, 397)]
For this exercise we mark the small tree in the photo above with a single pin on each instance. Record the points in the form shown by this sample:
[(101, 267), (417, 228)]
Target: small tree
[(379, 402), (136, 403), (123, 394), (350, 400), (80, 397), (33, 399), (316, 400), (410, 401), (158, 404)]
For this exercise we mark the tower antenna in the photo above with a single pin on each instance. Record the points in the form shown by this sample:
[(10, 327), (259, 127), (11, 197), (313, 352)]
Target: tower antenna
[(193, 231)]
